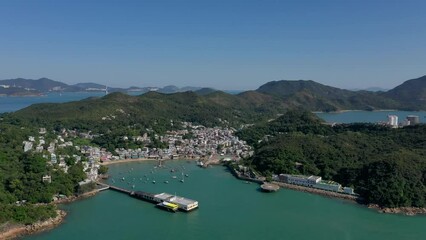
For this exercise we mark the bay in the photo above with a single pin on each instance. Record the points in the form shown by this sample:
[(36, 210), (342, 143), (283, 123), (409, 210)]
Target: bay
[(368, 116), (229, 209)]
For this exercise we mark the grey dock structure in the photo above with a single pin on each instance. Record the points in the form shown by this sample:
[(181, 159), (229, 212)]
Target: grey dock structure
[(183, 204)]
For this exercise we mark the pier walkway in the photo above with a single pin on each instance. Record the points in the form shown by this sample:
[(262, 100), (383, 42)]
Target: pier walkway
[(165, 198)]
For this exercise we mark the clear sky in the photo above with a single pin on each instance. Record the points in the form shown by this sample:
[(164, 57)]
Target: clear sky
[(225, 44)]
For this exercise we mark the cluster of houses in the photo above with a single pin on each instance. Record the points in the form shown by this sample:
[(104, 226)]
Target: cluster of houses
[(192, 142), (49, 151), (204, 142)]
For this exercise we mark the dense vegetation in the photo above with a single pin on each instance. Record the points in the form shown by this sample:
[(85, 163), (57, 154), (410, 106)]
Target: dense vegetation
[(21, 178), (151, 110), (318, 97), (411, 94), (26, 214), (386, 166)]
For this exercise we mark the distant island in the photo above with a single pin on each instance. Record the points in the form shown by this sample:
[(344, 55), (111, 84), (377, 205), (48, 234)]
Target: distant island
[(30, 87)]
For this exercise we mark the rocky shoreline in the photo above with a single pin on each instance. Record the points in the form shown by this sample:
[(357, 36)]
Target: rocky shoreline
[(409, 211), (15, 231), (18, 230), (319, 192)]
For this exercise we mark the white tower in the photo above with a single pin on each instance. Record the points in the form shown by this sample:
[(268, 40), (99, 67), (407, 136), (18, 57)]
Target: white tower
[(393, 120)]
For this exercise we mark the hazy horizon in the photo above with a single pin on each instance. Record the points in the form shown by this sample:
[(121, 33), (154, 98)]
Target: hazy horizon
[(229, 45)]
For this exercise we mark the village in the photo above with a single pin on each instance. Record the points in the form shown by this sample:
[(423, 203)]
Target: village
[(207, 145)]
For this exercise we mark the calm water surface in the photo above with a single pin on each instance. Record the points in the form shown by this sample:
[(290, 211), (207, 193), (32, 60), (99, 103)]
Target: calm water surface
[(229, 209), (365, 116)]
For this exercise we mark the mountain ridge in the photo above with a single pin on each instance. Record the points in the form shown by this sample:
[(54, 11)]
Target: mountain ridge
[(308, 94)]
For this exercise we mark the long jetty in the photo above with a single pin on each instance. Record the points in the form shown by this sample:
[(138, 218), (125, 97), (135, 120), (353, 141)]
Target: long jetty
[(181, 203)]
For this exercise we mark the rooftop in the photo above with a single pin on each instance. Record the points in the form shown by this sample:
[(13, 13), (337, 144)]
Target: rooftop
[(175, 199)]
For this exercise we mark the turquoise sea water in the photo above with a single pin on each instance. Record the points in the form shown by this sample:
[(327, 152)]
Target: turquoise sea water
[(229, 209)]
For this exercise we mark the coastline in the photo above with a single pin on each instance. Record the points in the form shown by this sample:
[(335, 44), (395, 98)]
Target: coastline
[(20, 230), (130, 160), (408, 211), (330, 194), (127, 161)]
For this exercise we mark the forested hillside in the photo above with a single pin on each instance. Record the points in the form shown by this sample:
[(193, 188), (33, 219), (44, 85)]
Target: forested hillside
[(386, 166)]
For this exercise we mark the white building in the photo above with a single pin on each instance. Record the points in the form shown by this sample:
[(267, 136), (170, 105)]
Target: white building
[(308, 181), (393, 120), (47, 178), (311, 181), (53, 158), (27, 146), (348, 190)]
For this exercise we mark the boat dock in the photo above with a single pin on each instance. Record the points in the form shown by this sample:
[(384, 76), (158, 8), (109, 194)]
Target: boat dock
[(163, 200)]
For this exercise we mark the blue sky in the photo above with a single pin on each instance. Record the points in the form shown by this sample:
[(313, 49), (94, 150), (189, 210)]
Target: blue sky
[(225, 44)]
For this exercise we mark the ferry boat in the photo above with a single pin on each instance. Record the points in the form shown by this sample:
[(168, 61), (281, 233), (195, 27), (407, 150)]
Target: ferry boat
[(168, 206)]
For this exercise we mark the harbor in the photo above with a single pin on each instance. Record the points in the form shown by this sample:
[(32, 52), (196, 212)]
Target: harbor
[(229, 204)]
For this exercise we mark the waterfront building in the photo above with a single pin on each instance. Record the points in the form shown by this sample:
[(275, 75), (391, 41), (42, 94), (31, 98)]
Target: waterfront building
[(313, 182), (393, 120), (413, 119), (348, 190), (308, 181), (182, 203), (328, 186)]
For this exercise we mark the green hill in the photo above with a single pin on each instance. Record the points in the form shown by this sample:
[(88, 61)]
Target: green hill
[(385, 166), (149, 108), (411, 94), (318, 97)]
